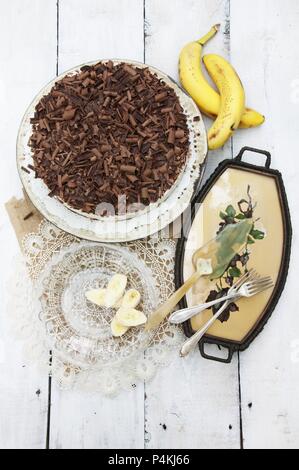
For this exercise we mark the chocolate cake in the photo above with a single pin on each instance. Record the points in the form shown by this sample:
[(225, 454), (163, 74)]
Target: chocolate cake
[(109, 134)]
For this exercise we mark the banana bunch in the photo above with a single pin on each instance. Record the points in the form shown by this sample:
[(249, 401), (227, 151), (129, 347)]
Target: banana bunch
[(228, 106), (114, 296)]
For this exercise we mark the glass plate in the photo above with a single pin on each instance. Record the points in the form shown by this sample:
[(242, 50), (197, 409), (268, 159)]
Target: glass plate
[(78, 330)]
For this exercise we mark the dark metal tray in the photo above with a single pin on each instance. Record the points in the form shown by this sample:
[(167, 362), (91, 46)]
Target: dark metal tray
[(237, 163)]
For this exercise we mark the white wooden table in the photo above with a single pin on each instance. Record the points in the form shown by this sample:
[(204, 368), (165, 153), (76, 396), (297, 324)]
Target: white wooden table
[(194, 403)]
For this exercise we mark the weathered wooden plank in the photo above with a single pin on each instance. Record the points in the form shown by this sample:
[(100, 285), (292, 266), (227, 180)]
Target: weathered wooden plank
[(27, 62), (193, 402), (91, 421), (170, 27), (264, 49), (92, 30)]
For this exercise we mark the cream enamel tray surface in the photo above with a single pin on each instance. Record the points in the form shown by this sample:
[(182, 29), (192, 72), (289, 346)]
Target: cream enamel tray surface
[(234, 183), (115, 229)]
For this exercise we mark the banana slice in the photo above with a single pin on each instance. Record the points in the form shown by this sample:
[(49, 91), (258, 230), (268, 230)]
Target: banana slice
[(131, 298), (96, 296), (118, 303), (128, 316), (117, 329), (115, 290)]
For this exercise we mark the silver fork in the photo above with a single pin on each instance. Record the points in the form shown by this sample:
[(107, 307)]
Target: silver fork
[(185, 313), (254, 287)]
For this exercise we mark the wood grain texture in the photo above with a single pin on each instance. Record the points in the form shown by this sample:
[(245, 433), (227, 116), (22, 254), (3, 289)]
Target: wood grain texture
[(91, 421), (92, 30), (27, 62), (168, 29), (193, 402), (266, 55), (190, 393)]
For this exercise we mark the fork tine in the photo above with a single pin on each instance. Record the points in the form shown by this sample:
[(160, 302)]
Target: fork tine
[(261, 280), (240, 280), (259, 283), (264, 279), (253, 276), (261, 289), (256, 285), (243, 279)]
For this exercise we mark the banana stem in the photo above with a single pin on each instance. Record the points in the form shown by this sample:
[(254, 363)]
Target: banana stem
[(209, 35)]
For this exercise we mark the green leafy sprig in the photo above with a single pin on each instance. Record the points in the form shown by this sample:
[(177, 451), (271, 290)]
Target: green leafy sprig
[(238, 265)]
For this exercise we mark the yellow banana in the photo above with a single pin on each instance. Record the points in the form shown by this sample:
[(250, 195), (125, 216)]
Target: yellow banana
[(198, 87), (251, 118), (192, 78), (232, 99)]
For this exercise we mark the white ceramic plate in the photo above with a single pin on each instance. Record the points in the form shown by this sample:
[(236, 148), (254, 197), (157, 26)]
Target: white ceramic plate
[(116, 229)]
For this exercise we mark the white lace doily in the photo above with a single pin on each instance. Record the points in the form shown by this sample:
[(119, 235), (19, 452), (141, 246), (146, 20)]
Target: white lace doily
[(50, 273)]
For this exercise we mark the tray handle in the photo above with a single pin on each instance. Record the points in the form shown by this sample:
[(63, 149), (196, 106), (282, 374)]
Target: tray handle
[(226, 360), (252, 149)]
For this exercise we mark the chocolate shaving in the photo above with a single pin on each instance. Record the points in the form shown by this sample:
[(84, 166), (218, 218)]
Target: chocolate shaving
[(25, 169), (109, 132), (27, 216), (69, 113)]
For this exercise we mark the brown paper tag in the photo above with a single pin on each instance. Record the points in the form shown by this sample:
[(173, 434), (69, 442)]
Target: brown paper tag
[(24, 217)]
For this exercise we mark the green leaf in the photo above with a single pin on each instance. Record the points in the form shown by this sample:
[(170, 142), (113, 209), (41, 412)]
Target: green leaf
[(257, 234), (222, 215), (234, 272), (231, 212), (240, 216), (250, 240)]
